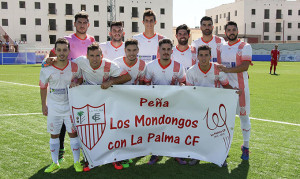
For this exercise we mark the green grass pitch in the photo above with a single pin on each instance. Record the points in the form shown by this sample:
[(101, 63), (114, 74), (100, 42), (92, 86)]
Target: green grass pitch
[(274, 147)]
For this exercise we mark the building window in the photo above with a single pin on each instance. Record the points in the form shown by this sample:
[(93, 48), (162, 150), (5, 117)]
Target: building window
[(162, 10), (267, 14), (83, 7), (298, 25), (22, 4), (135, 12), (97, 39), (22, 21), (228, 17), (298, 37), (253, 11), (290, 12), (121, 9), (38, 21), (220, 28), (96, 23), (69, 9), (289, 25), (51, 8), (96, 8), (147, 8), (135, 27), (224, 15), (216, 20), (24, 37), (38, 38), (278, 37), (266, 27), (52, 39), (278, 27), (109, 9), (253, 25), (4, 22), (4, 5), (37, 5), (298, 12), (69, 25), (52, 24), (162, 25), (220, 16), (289, 37), (278, 14), (108, 23), (216, 32), (266, 37), (235, 13)]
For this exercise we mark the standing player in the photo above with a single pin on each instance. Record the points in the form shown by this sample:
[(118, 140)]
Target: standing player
[(148, 40), (56, 108), (236, 57), (164, 71), (182, 53), (114, 48), (213, 41), (275, 54), (79, 42), (136, 68)]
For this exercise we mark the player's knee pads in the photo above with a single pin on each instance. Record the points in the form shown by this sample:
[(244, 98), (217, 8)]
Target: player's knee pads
[(54, 141)]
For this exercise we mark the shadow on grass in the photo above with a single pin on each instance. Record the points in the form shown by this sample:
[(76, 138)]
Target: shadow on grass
[(168, 169)]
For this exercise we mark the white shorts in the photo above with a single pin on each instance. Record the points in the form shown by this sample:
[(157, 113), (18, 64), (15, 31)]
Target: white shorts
[(244, 110), (54, 124)]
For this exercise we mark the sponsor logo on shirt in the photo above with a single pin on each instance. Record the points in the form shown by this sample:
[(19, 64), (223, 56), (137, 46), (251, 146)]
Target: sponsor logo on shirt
[(58, 91)]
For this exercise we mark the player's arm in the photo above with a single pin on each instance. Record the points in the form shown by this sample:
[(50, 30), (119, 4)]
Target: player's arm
[(278, 56), (116, 80), (43, 99), (272, 55), (238, 69)]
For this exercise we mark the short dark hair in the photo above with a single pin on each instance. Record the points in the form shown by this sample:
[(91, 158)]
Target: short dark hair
[(116, 23), (231, 23), (184, 27), (206, 18), (165, 41), (131, 42), (149, 12), (204, 47), (82, 14), (94, 46), (61, 41)]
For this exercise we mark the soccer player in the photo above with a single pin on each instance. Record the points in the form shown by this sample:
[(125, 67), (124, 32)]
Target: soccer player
[(213, 41), (182, 53), (79, 42), (114, 48), (148, 40), (57, 110), (164, 71), (236, 57), (275, 54), (136, 68)]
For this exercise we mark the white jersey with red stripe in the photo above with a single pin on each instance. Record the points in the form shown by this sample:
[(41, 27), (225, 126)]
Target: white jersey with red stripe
[(78, 46), (148, 47), (214, 43), (111, 52), (232, 56), (136, 71), (211, 78), (185, 57), (97, 76), (172, 74), (58, 80)]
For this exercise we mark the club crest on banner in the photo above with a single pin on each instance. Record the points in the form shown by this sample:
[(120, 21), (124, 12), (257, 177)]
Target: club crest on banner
[(91, 122)]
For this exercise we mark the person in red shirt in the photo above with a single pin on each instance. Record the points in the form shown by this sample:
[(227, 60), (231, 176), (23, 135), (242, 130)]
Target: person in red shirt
[(274, 58)]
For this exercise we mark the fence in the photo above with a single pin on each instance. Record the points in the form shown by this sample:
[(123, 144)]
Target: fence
[(30, 56)]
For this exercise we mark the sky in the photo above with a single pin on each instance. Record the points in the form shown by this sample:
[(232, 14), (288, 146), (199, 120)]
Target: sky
[(190, 12)]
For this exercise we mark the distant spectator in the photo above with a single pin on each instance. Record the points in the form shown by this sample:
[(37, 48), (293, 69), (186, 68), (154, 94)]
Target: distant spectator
[(275, 54), (1, 44), (16, 45)]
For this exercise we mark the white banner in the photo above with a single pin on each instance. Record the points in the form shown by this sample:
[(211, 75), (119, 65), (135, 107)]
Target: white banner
[(127, 121)]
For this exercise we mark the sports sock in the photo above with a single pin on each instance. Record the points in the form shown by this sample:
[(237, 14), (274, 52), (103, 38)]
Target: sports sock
[(270, 68), (54, 148), (274, 69), (75, 146), (246, 129)]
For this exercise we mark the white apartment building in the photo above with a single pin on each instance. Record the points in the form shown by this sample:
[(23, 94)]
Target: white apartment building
[(41, 22), (259, 21)]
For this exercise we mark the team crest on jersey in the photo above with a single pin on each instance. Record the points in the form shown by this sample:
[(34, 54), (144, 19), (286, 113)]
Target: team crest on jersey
[(90, 122)]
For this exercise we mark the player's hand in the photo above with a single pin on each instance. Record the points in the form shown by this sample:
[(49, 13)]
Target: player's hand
[(181, 84), (45, 110), (107, 84), (239, 92), (73, 84), (51, 60)]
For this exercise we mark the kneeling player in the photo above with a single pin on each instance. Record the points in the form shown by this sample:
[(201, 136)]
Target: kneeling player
[(206, 74), (57, 110)]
